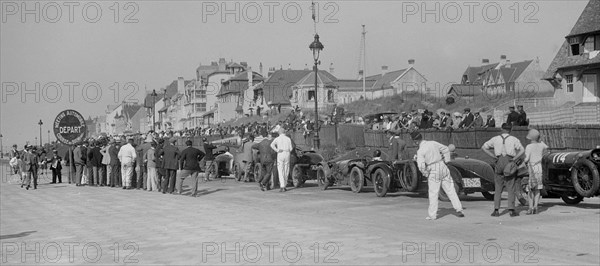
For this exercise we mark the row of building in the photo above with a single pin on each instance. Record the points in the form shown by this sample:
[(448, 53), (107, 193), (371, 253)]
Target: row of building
[(223, 90)]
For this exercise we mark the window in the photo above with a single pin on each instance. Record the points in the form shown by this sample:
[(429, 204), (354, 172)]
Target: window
[(588, 46), (311, 95), (597, 45), (574, 43), (200, 94), (569, 79), (330, 96)]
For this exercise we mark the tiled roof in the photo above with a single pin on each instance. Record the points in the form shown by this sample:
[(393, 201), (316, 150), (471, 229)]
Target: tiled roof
[(354, 85), (465, 90), (238, 83), (323, 80), (129, 110), (278, 87), (563, 60), (386, 80), (519, 68), (589, 20)]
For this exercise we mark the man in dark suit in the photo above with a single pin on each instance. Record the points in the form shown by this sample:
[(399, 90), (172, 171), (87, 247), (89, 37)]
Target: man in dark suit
[(141, 170), (79, 158), (30, 165), (267, 158), (160, 170), (522, 118), (513, 117), (190, 166), (115, 164), (170, 155), (467, 120), (209, 157), (490, 122), (95, 160), (56, 167)]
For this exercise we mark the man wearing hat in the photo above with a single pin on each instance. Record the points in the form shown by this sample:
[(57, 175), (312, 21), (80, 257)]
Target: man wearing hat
[(513, 117), (431, 160), (170, 157), (115, 164), (283, 146), (14, 159), (79, 157), (506, 149), (189, 165), (142, 171), (467, 119), (56, 167), (127, 156), (478, 121)]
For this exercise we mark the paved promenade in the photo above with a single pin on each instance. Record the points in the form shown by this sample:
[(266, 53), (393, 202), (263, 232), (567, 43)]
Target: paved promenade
[(236, 223)]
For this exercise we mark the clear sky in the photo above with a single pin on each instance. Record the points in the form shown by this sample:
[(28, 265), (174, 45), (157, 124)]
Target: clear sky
[(148, 44)]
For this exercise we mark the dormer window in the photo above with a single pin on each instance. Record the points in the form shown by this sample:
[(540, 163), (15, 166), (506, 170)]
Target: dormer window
[(591, 43), (574, 46)]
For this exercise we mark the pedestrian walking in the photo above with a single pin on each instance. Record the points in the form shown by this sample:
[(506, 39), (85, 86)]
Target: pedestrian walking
[(534, 153), (30, 167), (283, 146), (150, 162), (170, 156), (506, 149), (431, 160), (127, 157), (189, 165)]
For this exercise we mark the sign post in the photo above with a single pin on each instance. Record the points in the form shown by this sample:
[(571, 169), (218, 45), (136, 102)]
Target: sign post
[(69, 129)]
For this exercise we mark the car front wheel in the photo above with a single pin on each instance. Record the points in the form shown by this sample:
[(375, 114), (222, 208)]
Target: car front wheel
[(297, 178), (572, 199), (381, 182), (357, 179)]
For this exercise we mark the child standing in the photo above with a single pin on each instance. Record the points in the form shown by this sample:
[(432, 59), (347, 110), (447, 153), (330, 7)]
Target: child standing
[(533, 158)]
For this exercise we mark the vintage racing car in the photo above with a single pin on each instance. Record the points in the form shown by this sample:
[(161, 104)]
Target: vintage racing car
[(572, 176)]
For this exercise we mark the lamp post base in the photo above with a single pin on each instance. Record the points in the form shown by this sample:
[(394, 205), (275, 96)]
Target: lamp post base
[(316, 143)]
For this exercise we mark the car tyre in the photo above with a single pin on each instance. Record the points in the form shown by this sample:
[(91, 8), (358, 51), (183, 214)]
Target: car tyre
[(357, 179), (321, 178), (488, 195), (572, 199), (381, 182), (297, 178), (237, 172), (585, 178), (410, 177)]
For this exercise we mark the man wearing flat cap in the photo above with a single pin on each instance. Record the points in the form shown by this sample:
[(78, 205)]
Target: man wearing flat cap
[(522, 118), (506, 149), (431, 160), (170, 161)]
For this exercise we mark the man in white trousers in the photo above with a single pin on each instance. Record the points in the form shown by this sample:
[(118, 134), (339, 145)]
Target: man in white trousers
[(127, 156), (431, 159), (283, 146)]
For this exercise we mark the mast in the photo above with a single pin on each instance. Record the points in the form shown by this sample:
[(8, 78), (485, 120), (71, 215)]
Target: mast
[(364, 61)]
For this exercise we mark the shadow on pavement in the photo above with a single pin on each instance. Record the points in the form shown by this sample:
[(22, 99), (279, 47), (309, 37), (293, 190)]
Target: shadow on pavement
[(22, 234)]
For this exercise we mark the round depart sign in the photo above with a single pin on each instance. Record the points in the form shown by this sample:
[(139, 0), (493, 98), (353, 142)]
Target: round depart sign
[(69, 127)]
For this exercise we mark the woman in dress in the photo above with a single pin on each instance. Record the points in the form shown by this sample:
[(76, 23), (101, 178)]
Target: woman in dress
[(533, 158)]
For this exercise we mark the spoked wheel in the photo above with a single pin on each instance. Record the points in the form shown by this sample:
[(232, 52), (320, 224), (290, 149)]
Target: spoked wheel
[(409, 179), (257, 172), (381, 182), (297, 178), (585, 178), (357, 179), (212, 170), (521, 192), (322, 179), (237, 172)]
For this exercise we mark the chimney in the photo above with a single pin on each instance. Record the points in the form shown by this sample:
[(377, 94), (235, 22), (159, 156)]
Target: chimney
[(331, 69), (250, 81), (411, 62), (260, 68), (222, 64), (289, 66), (180, 85), (485, 61), (384, 70), (271, 71), (502, 60), (507, 63), (360, 74)]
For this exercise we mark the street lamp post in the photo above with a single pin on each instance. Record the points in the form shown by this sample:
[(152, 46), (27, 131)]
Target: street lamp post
[(48, 135), (1, 147), (40, 123), (316, 47), (153, 106)]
